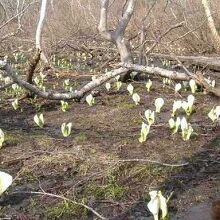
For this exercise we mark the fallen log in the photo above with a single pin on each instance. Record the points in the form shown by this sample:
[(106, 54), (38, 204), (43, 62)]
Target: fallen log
[(198, 77), (53, 95), (212, 63)]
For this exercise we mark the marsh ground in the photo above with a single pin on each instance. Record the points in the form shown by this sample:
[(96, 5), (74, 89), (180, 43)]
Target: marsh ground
[(88, 166)]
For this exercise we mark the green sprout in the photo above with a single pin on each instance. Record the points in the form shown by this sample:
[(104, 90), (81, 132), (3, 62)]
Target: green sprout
[(64, 106)]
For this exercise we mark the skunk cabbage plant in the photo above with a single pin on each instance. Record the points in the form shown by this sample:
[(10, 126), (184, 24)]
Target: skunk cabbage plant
[(15, 104), (193, 86), (174, 125), (130, 89), (108, 86), (186, 128), (64, 106), (39, 120), (158, 202), (149, 85), (66, 129), (5, 181), (90, 100), (2, 138), (176, 105), (145, 129), (159, 102), (178, 87), (150, 116), (214, 114), (136, 98)]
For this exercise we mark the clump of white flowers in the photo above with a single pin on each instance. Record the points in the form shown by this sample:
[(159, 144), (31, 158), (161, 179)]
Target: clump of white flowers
[(5, 181), (214, 114), (66, 129), (158, 202), (159, 102), (186, 127), (2, 138), (136, 98), (39, 120), (90, 100)]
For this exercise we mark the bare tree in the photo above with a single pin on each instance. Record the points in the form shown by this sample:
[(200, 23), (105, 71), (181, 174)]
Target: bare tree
[(211, 25), (117, 36), (40, 28)]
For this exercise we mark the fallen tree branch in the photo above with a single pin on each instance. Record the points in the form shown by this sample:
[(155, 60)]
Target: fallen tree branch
[(53, 95), (157, 71), (63, 198), (151, 161), (212, 62), (199, 78)]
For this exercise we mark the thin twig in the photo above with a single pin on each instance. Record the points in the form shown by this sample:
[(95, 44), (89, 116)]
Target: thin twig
[(63, 198), (151, 161)]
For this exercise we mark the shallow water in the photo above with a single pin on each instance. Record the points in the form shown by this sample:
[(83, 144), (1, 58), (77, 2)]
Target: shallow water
[(198, 212)]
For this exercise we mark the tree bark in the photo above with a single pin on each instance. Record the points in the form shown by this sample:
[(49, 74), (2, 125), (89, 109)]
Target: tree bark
[(117, 36), (40, 26), (211, 24), (53, 95)]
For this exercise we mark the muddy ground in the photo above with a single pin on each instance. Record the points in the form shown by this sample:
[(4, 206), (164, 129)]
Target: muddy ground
[(88, 166)]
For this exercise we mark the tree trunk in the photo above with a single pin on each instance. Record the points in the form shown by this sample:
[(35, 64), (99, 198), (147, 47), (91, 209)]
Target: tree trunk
[(117, 36), (211, 24)]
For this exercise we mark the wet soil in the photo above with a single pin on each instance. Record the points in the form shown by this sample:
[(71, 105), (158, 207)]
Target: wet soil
[(88, 166)]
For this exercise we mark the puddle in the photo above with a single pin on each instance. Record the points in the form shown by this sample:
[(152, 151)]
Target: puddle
[(198, 212)]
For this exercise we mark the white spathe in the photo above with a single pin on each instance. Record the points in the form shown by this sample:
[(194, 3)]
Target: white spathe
[(130, 89), (178, 87), (159, 102), (158, 202), (5, 181)]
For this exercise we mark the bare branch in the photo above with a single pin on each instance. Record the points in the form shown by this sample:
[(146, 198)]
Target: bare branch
[(56, 95), (43, 193)]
